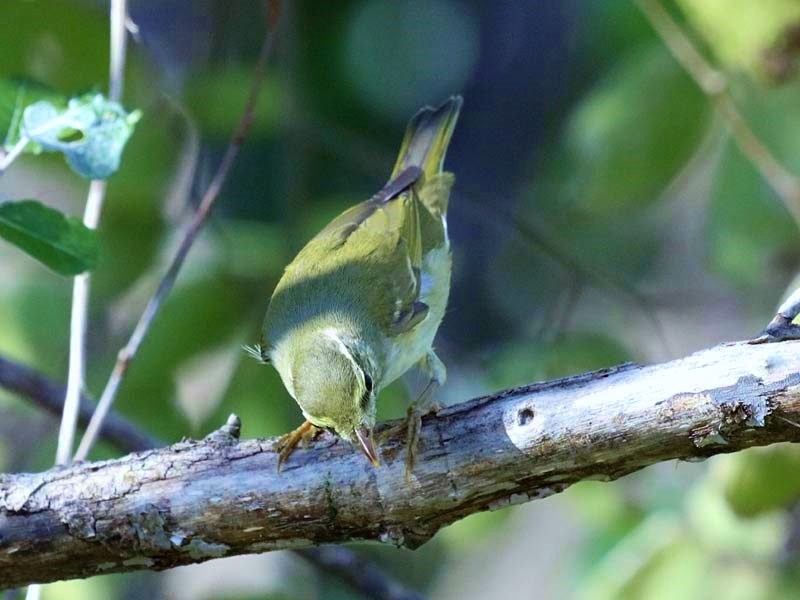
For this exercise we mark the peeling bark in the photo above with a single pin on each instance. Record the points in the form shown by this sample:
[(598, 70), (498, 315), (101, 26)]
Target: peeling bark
[(198, 500)]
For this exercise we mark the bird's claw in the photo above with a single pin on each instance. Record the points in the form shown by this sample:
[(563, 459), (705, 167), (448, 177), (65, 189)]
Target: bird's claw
[(412, 425), (287, 443)]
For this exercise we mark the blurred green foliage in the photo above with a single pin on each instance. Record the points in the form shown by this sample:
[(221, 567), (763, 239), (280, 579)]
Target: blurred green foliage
[(741, 33), (623, 143), (602, 213)]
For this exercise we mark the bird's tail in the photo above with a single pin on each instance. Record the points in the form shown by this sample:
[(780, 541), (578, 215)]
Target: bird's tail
[(427, 137)]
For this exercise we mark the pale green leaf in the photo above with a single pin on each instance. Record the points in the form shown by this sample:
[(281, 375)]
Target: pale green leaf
[(91, 132)]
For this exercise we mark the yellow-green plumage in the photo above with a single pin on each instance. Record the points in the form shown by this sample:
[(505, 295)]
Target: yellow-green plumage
[(361, 302)]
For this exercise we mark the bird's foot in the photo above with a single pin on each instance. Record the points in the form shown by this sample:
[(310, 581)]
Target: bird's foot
[(424, 405), (287, 443), (432, 366), (412, 425)]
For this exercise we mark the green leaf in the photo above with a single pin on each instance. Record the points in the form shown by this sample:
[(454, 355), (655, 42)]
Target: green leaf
[(62, 243), (91, 132)]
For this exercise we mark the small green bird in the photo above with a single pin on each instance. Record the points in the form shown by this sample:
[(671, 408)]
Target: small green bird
[(361, 303)]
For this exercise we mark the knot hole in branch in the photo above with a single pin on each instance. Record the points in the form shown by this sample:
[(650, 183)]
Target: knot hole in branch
[(525, 416)]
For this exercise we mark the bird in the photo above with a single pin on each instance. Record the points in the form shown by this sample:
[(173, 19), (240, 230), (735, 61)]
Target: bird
[(362, 301)]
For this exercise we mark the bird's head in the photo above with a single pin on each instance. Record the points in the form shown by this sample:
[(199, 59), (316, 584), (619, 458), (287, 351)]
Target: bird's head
[(335, 389)]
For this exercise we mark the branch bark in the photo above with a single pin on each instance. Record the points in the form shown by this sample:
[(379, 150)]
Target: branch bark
[(198, 500)]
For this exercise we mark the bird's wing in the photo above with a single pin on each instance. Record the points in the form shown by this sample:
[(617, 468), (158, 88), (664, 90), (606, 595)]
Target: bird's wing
[(385, 231), (343, 226)]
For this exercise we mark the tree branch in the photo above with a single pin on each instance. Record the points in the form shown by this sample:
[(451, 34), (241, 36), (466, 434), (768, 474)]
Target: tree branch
[(198, 500)]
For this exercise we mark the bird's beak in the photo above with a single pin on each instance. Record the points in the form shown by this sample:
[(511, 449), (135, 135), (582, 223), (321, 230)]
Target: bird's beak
[(367, 444)]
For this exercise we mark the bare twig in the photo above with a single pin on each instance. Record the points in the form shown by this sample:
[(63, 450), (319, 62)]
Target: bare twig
[(77, 335), (10, 156), (714, 84), (362, 575), (119, 45), (49, 396), (219, 497), (127, 353)]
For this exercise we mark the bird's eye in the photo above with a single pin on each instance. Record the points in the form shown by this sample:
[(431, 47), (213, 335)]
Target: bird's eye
[(368, 383), (367, 392)]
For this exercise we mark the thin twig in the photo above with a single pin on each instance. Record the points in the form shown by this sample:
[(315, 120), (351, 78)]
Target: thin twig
[(119, 45), (12, 154), (79, 317), (49, 396), (360, 574), (714, 84), (127, 353), (76, 369)]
